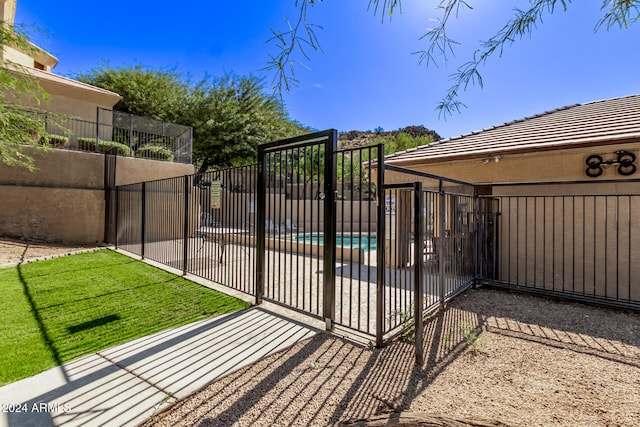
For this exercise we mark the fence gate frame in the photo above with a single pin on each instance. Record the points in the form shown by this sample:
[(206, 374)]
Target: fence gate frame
[(327, 139)]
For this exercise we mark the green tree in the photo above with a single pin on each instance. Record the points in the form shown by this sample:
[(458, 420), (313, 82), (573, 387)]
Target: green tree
[(159, 94), (295, 43), (230, 116), (401, 141), (18, 128)]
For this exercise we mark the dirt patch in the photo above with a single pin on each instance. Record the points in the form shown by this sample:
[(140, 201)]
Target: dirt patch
[(505, 358), (15, 251)]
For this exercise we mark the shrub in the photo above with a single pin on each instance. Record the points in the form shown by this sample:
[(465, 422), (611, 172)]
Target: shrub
[(59, 141), (154, 152), (89, 144)]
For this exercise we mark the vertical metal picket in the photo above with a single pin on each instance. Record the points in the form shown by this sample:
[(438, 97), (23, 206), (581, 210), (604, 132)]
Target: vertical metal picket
[(143, 217), (329, 292), (380, 248), (443, 243), (260, 224), (418, 288), (185, 228)]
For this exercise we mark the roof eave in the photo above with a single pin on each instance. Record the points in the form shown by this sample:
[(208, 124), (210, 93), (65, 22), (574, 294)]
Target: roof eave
[(478, 155)]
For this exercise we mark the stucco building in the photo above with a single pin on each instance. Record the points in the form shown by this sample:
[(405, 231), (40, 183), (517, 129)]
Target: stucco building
[(562, 189), (65, 199)]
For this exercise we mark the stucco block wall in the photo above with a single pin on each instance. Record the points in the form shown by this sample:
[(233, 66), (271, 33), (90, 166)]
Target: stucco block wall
[(58, 169), (131, 170), (52, 214), (63, 200), (576, 244)]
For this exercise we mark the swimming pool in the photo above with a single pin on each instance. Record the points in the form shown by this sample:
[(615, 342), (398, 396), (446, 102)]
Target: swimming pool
[(364, 242)]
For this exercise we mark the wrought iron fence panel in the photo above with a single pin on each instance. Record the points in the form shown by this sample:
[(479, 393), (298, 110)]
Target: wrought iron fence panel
[(357, 194), (224, 248), (582, 247), (296, 223), (118, 133)]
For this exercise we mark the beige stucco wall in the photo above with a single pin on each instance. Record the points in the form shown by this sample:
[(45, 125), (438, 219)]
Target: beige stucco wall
[(549, 166), (13, 55), (58, 168), (558, 228), (239, 209), (52, 214), (64, 199), (72, 98), (583, 244), (131, 170)]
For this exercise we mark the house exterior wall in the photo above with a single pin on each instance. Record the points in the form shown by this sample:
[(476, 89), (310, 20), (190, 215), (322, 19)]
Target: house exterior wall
[(548, 166), (558, 230), (586, 245), (71, 98), (64, 199), (13, 55)]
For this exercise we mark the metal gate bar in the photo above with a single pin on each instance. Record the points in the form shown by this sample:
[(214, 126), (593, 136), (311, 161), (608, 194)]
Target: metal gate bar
[(288, 243)]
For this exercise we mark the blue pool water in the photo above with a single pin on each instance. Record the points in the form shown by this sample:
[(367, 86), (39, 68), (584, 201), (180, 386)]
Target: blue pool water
[(367, 243)]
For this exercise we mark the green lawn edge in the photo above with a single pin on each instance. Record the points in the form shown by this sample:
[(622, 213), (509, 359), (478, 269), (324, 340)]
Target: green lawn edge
[(58, 310)]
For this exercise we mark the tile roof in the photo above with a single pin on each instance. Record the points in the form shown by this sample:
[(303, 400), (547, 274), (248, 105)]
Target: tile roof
[(595, 123)]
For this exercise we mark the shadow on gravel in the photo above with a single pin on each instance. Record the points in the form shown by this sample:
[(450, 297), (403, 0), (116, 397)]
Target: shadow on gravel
[(327, 380)]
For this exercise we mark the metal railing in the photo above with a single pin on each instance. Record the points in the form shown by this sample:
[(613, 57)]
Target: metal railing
[(119, 133), (319, 231), (394, 252), (199, 224), (431, 232), (582, 247)]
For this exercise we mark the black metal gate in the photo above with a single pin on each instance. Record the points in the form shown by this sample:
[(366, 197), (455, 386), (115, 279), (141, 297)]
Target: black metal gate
[(296, 223), (317, 230)]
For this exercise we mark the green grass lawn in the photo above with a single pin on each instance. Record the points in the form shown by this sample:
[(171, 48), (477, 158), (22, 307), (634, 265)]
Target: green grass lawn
[(57, 310)]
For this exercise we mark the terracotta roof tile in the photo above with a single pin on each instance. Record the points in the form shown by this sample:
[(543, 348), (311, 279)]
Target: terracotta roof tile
[(595, 123)]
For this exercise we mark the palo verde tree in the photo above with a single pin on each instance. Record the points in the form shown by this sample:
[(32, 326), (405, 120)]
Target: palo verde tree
[(299, 39), (19, 128)]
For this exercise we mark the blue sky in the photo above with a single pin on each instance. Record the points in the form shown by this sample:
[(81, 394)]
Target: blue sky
[(366, 76)]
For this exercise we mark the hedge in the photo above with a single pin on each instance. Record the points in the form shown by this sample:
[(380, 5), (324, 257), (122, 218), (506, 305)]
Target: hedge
[(54, 140), (89, 144), (154, 152)]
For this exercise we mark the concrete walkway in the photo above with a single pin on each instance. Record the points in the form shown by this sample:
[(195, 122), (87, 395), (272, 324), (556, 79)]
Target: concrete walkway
[(124, 385)]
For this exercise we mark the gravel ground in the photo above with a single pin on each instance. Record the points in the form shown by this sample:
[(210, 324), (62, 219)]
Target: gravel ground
[(506, 358), (492, 355), (15, 251)]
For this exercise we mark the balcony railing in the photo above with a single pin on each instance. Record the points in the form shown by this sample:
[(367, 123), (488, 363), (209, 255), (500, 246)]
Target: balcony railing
[(120, 133)]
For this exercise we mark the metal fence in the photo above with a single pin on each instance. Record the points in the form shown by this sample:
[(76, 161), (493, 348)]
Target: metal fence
[(583, 247), (434, 232), (119, 133), (318, 230), (314, 229), (199, 224)]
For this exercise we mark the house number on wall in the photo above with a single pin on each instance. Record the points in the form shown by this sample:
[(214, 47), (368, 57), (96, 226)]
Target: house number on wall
[(625, 161)]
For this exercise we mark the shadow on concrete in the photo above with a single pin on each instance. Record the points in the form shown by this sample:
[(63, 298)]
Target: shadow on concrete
[(126, 384)]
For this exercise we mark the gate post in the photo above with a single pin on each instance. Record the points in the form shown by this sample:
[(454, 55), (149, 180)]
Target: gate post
[(443, 243), (185, 229), (143, 209), (261, 199), (380, 242), (329, 259), (116, 216), (418, 290)]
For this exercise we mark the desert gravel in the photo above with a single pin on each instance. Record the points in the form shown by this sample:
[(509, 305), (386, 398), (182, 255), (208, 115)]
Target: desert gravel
[(491, 355)]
